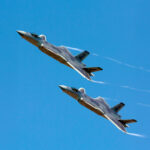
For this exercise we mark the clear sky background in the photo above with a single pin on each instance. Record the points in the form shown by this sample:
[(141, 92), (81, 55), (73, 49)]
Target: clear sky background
[(34, 113)]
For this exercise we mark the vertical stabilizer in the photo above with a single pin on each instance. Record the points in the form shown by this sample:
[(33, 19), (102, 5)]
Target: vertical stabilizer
[(80, 57), (118, 107)]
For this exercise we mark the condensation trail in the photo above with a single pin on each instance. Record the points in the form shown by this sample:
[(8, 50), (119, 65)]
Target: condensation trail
[(126, 64), (72, 48), (117, 100), (135, 134), (113, 60), (145, 105), (122, 86), (100, 82), (78, 50), (135, 89), (111, 99), (118, 62)]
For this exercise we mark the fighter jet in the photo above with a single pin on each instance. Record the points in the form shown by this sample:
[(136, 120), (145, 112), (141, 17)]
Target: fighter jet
[(61, 54), (99, 106)]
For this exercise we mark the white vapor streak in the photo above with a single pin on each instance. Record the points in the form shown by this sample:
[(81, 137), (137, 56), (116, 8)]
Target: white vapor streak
[(142, 104), (118, 62), (126, 64), (94, 54), (100, 82), (111, 99), (139, 103), (72, 48), (135, 89), (78, 50), (112, 59), (135, 134)]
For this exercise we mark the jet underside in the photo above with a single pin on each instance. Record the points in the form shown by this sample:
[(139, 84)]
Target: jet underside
[(92, 108), (61, 54), (53, 54), (64, 57), (101, 108)]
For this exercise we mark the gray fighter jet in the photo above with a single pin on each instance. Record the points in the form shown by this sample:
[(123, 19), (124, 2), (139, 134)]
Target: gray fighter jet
[(61, 54), (99, 106)]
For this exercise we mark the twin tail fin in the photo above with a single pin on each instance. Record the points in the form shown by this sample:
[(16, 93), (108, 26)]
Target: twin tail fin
[(80, 57)]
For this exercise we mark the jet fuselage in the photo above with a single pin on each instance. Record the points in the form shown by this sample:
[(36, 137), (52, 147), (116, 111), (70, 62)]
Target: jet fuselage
[(97, 105), (60, 53)]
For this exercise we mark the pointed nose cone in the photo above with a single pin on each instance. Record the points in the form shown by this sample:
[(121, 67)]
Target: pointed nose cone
[(21, 33), (63, 87)]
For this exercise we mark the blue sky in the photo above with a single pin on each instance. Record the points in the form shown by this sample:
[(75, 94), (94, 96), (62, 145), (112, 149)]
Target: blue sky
[(34, 112)]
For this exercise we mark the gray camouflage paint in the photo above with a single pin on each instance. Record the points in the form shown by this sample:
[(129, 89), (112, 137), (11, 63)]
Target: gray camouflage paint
[(57, 52), (97, 105)]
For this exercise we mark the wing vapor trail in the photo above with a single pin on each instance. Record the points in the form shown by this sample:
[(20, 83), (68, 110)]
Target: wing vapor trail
[(72, 48), (135, 89), (135, 134), (78, 50), (130, 88), (100, 82), (144, 105), (117, 100), (111, 99), (118, 62), (126, 64), (113, 60)]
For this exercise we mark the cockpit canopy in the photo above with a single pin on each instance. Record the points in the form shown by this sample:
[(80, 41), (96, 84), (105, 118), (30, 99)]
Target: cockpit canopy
[(35, 35), (43, 37), (82, 90), (74, 89)]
